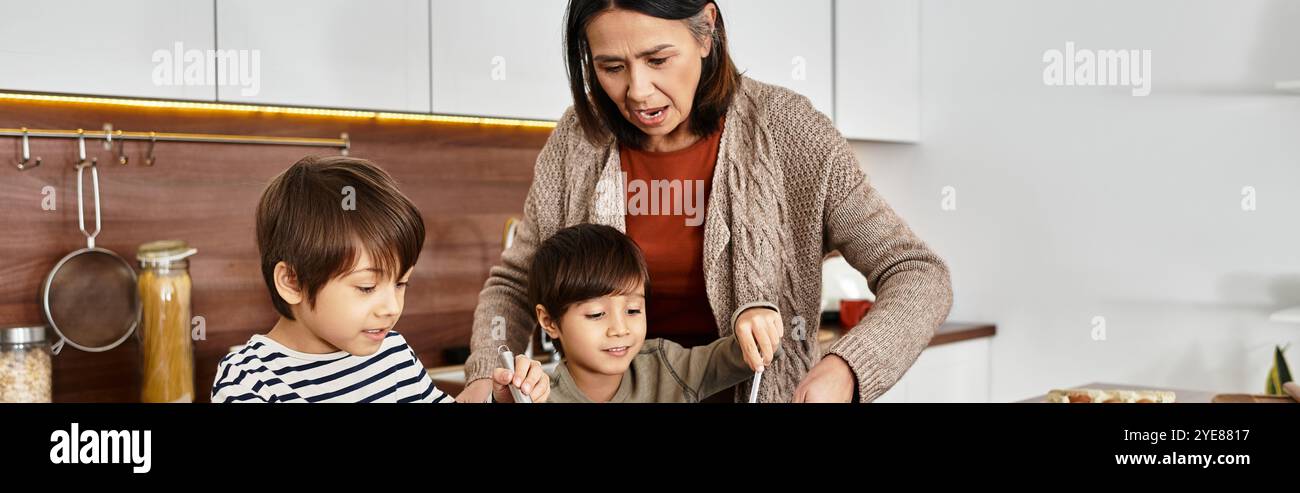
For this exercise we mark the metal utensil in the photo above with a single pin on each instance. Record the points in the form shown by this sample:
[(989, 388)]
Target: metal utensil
[(89, 298), (508, 359)]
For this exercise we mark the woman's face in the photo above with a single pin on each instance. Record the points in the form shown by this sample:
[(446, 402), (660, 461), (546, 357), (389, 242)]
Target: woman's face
[(650, 68)]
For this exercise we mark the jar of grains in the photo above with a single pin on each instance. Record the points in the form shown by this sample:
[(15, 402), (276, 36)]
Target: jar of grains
[(26, 369)]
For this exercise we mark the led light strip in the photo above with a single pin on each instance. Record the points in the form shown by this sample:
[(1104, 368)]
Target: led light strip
[(285, 110)]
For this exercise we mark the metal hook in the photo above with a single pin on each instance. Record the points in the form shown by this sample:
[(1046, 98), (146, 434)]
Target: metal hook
[(108, 144), (81, 150), (27, 155), (347, 144), (121, 151), (148, 157)]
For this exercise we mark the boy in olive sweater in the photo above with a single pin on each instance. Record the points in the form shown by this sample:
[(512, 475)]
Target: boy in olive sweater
[(588, 285)]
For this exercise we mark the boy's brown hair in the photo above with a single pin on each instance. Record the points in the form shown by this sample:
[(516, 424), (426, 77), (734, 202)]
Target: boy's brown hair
[(582, 262), (305, 221)]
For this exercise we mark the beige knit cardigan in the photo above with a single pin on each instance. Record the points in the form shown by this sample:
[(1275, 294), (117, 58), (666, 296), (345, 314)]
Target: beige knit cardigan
[(787, 189)]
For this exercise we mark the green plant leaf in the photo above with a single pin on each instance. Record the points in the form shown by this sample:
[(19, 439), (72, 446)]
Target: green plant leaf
[(1283, 372)]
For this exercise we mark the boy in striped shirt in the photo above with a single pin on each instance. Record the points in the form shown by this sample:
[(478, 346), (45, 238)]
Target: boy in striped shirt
[(338, 242)]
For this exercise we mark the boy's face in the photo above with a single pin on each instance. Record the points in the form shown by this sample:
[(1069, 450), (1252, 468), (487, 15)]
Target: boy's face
[(355, 311), (601, 335)]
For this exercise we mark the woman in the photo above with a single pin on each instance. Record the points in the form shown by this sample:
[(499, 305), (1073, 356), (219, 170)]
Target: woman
[(734, 189)]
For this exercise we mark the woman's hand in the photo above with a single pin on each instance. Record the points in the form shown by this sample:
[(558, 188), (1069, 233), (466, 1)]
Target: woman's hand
[(830, 380), (528, 377), (759, 331)]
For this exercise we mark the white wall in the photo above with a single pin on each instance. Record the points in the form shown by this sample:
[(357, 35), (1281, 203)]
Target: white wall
[(1074, 202)]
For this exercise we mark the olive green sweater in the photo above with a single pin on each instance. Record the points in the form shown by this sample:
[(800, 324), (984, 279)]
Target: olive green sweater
[(664, 371)]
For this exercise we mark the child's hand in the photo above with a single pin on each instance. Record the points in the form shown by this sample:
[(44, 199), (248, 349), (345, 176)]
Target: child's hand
[(528, 376), (759, 331)]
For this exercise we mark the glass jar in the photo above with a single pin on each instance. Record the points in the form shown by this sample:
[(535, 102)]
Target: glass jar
[(26, 368), (165, 346)]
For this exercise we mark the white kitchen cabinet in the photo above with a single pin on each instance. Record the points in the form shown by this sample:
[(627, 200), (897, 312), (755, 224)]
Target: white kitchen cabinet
[(102, 48), (784, 43), (370, 55), (500, 58), (878, 69), (953, 372)]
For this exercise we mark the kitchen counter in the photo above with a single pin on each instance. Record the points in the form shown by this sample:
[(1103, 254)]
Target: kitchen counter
[(947, 333), (451, 379)]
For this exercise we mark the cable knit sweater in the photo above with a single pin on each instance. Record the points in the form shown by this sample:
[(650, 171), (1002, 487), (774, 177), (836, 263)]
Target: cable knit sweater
[(787, 189)]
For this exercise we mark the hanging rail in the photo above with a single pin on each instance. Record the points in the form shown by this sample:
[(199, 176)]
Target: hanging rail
[(108, 135)]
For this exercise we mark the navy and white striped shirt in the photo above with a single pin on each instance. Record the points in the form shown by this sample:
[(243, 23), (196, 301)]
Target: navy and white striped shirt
[(267, 371)]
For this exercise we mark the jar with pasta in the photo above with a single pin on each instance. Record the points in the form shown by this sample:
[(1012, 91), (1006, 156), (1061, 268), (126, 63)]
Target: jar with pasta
[(168, 354), (25, 365)]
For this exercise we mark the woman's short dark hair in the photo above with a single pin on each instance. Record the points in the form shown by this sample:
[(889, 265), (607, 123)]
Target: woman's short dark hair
[(582, 262), (597, 113)]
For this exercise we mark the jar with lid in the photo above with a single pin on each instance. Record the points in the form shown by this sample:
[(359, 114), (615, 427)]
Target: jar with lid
[(165, 344), (26, 368)]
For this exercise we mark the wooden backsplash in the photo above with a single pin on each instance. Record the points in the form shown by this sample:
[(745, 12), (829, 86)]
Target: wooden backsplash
[(466, 180)]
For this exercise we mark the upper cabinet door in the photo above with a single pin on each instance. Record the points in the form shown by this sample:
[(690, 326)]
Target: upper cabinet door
[(784, 43), (332, 53), (500, 58), (118, 48), (878, 69)]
